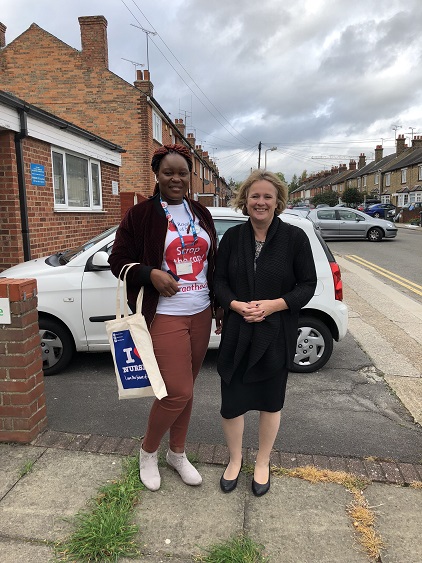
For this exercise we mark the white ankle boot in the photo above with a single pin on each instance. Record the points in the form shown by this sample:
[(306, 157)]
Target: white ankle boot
[(148, 470), (183, 466)]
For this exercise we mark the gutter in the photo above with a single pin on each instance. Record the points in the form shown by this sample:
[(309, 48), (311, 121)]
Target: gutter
[(23, 134)]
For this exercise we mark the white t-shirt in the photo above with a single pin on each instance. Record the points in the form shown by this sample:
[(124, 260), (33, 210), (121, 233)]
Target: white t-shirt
[(193, 296)]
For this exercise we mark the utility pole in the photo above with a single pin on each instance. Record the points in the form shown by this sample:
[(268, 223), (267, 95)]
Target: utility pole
[(259, 155)]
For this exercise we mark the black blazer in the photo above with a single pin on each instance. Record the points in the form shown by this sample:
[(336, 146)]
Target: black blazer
[(285, 268)]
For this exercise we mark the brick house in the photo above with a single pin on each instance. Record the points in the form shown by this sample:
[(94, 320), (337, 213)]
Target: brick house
[(78, 86), (59, 183)]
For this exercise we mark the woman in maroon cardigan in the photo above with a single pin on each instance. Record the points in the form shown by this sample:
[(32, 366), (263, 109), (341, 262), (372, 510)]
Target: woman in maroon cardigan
[(174, 241)]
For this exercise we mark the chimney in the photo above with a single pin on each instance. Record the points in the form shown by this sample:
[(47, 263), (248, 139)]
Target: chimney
[(400, 144), (143, 82), (378, 153), (94, 40), (180, 125), (2, 35), (352, 165), (362, 160), (191, 140), (417, 142)]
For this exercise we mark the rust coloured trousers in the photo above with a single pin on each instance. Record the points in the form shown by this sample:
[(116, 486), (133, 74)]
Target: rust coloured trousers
[(180, 344)]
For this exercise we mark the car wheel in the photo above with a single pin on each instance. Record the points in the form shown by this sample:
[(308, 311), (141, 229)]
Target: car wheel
[(377, 215), (314, 345), (375, 234), (57, 346)]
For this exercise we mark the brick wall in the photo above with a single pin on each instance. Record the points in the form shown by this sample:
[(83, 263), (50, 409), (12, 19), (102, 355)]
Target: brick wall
[(46, 72), (50, 231), (11, 248), (22, 399)]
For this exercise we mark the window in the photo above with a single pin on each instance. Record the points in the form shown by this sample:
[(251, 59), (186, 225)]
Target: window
[(403, 175), (157, 127), (388, 179), (76, 181), (347, 215)]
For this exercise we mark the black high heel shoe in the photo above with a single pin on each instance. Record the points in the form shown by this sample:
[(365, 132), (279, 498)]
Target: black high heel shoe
[(258, 489), (229, 485)]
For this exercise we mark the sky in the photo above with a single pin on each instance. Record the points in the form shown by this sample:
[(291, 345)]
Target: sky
[(320, 80)]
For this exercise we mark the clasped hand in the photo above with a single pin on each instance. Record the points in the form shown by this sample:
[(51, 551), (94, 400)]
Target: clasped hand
[(255, 311)]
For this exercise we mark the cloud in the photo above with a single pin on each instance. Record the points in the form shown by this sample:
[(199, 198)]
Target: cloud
[(296, 75)]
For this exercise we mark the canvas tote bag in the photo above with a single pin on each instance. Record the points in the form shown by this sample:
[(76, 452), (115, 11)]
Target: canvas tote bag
[(136, 368)]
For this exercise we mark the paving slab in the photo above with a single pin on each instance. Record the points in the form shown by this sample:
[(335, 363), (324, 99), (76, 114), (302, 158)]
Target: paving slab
[(12, 461), (399, 521), (24, 552), (57, 487), (301, 521), (180, 521)]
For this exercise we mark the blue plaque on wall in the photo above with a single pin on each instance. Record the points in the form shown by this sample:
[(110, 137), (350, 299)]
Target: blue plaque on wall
[(37, 174)]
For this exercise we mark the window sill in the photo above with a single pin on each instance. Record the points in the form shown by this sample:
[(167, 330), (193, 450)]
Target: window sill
[(99, 211)]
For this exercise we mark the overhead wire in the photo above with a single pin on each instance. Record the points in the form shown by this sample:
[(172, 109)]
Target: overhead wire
[(194, 82)]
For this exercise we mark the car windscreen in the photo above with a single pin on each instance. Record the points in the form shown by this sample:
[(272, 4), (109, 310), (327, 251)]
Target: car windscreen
[(221, 226), (71, 253)]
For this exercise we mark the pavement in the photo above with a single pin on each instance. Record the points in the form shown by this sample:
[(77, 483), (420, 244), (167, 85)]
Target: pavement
[(44, 484)]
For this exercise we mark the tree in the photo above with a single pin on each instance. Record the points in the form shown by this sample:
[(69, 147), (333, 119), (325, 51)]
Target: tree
[(329, 198), (294, 183), (351, 196)]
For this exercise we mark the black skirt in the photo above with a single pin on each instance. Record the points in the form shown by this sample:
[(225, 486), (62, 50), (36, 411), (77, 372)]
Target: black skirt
[(238, 397)]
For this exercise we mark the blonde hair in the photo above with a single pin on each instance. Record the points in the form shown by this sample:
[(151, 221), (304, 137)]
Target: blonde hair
[(241, 195)]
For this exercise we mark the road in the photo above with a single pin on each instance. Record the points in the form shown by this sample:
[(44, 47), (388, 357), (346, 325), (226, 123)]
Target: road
[(346, 409), (397, 262)]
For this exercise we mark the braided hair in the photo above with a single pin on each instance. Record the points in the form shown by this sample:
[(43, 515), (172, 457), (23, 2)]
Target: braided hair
[(163, 151)]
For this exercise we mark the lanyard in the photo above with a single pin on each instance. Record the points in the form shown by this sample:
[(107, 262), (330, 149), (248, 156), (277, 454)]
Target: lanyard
[(170, 219)]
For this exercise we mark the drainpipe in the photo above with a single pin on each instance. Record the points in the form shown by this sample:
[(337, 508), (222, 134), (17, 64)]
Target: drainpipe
[(21, 183)]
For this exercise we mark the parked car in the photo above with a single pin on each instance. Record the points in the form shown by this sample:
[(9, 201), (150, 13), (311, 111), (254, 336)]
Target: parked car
[(345, 223), (77, 293), (369, 201), (381, 210)]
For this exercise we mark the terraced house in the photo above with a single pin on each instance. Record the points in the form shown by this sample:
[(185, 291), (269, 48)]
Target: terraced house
[(77, 86), (395, 178)]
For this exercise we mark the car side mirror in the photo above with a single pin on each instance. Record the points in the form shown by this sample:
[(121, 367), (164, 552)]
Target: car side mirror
[(99, 261)]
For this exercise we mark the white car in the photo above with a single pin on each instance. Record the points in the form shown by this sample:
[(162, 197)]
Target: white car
[(77, 293)]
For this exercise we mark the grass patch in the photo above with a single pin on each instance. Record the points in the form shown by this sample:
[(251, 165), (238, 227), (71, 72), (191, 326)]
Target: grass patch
[(103, 532), (26, 468), (240, 549), (314, 475)]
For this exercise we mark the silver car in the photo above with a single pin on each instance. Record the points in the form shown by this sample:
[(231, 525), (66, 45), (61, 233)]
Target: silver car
[(346, 223)]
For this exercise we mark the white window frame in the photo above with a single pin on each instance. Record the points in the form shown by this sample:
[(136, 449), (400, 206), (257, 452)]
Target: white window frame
[(403, 175), (388, 179), (157, 127), (90, 162)]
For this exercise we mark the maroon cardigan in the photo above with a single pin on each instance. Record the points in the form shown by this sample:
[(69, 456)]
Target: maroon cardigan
[(140, 238)]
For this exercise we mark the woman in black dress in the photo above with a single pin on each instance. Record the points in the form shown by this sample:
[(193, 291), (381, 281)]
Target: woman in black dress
[(265, 274)]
